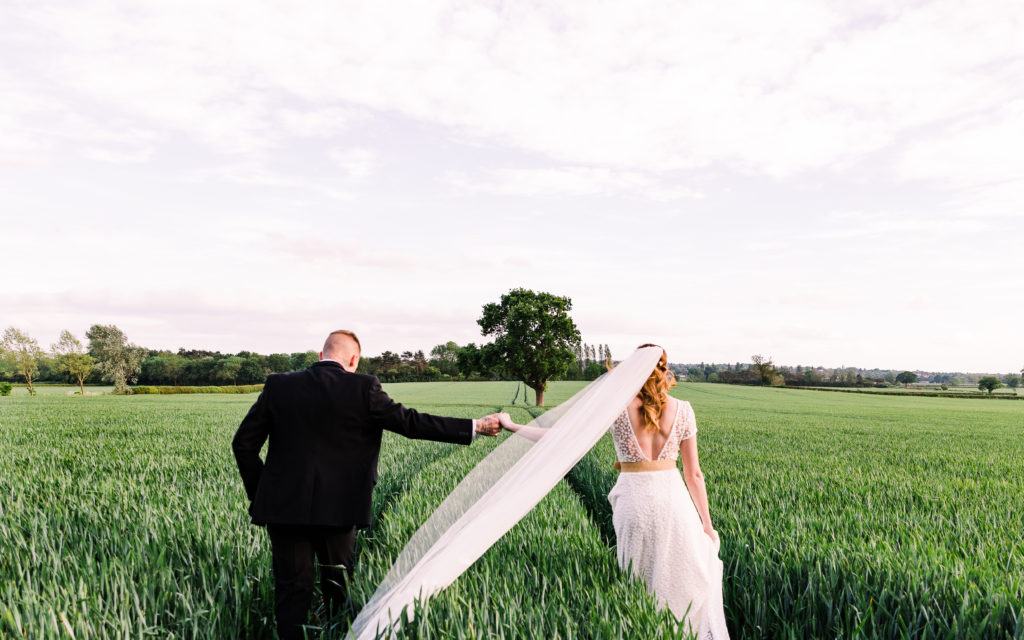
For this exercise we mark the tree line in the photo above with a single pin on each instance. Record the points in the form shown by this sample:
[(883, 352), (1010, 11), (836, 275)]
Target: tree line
[(106, 356), (533, 340), (762, 371)]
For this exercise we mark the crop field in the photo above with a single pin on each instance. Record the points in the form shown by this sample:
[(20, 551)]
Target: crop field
[(60, 390), (841, 515), (923, 389)]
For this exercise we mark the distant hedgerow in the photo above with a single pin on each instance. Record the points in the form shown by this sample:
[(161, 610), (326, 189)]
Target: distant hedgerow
[(245, 388)]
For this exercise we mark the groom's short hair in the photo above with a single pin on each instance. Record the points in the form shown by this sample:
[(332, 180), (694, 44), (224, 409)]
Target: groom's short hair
[(343, 332)]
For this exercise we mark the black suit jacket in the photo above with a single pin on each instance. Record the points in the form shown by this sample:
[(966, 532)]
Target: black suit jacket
[(325, 427)]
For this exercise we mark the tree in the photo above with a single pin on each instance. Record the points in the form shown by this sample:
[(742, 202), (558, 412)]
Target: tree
[(279, 363), (22, 354), (593, 371), (118, 361), (228, 368), (766, 370), (174, 368), (254, 369), (989, 383), (419, 362), (811, 377), (72, 358), (906, 378), (304, 360), (534, 337), (200, 370), (1012, 381), (467, 360), (445, 358)]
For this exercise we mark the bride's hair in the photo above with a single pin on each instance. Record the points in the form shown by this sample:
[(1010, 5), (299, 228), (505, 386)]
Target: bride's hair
[(654, 393)]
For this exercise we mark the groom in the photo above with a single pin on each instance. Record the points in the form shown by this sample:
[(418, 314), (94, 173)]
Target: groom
[(325, 426)]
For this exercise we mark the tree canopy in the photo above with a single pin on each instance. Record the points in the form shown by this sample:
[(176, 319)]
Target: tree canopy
[(906, 377), (765, 368), (989, 383), (535, 339), (118, 361), (22, 354), (72, 358)]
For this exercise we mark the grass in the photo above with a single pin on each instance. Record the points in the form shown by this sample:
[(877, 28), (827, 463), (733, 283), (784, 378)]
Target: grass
[(47, 389), (841, 515)]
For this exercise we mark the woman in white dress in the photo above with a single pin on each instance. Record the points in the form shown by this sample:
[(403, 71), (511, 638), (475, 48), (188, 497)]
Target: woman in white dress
[(663, 529)]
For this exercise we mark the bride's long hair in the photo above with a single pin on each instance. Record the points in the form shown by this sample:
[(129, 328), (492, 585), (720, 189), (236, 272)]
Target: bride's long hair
[(654, 393)]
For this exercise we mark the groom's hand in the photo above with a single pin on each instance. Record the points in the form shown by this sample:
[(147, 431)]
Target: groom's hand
[(488, 425)]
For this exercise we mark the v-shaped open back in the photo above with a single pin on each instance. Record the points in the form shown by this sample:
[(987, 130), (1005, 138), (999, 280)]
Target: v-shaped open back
[(627, 445)]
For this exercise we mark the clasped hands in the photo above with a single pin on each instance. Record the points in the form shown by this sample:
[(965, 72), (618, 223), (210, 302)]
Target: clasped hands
[(492, 424)]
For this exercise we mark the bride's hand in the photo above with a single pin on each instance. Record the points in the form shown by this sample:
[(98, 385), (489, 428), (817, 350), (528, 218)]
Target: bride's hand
[(506, 422), (712, 534)]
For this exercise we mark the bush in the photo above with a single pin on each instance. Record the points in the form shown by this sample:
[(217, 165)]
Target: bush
[(5, 388), (149, 389)]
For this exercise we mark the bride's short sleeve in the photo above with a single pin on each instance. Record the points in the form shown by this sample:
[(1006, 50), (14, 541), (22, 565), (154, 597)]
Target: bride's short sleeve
[(688, 428)]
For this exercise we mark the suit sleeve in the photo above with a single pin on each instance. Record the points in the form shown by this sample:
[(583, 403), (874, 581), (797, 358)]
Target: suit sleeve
[(391, 415), (248, 442)]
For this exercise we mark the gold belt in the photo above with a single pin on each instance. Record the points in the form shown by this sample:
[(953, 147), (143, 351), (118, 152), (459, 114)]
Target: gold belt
[(646, 465)]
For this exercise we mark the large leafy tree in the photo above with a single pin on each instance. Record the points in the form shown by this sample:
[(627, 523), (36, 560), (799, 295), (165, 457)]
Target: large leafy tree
[(534, 337), (22, 354), (906, 377), (989, 383), (118, 361), (72, 358)]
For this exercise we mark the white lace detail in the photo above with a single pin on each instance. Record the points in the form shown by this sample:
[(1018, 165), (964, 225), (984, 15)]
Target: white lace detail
[(689, 427), (628, 448)]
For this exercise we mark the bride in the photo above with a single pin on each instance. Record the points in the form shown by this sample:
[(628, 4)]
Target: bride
[(662, 534)]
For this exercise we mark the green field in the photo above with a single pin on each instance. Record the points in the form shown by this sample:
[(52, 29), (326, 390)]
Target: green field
[(841, 515), (60, 390)]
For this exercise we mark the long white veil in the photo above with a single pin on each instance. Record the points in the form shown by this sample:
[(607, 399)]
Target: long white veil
[(499, 492)]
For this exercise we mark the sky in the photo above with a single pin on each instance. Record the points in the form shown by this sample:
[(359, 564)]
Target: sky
[(826, 183)]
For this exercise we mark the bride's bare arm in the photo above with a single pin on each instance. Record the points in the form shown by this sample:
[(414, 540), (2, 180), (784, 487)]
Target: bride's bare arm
[(695, 483), (530, 433)]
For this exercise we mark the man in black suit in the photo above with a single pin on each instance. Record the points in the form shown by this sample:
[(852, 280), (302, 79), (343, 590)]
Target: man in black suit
[(325, 426)]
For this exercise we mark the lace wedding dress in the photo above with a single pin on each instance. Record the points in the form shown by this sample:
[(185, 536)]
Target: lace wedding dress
[(660, 535)]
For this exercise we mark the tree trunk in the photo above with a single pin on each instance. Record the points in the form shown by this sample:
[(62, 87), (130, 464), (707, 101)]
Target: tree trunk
[(539, 390), (31, 389), (81, 384)]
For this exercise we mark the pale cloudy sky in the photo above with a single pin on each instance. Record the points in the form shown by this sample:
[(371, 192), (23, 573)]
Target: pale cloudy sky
[(826, 182)]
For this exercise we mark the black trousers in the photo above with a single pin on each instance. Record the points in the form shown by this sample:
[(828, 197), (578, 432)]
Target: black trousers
[(293, 548)]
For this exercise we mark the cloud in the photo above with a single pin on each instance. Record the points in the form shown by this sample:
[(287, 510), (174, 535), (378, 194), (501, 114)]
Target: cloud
[(976, 157), (358, 164), (256, 172), (316, 122), (466, 148), (776, 90), (569, 182)]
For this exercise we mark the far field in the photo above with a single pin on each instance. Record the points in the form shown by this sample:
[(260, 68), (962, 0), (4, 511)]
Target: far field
[(841, 515)]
